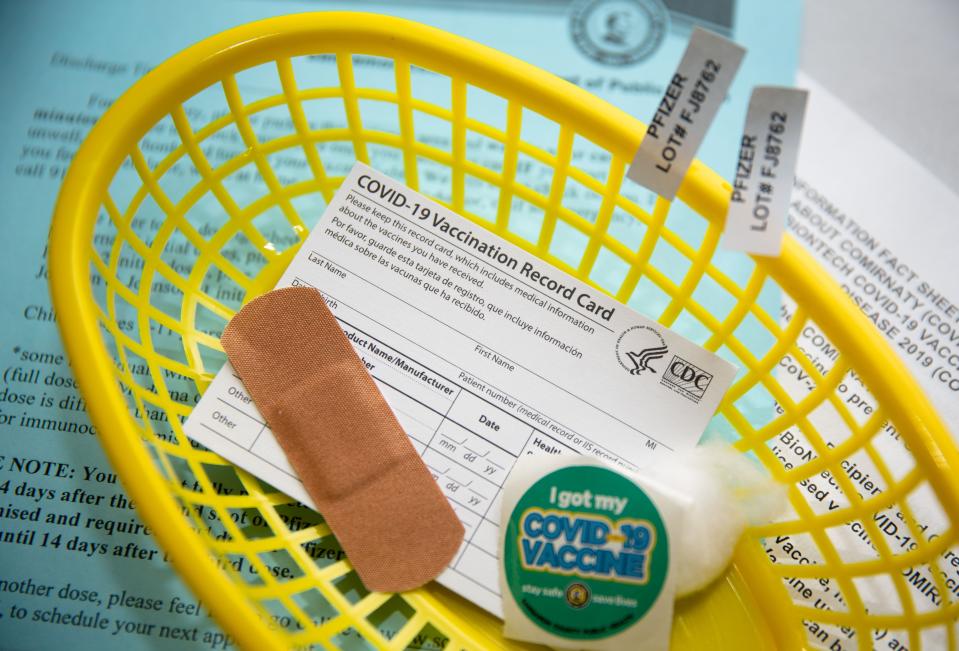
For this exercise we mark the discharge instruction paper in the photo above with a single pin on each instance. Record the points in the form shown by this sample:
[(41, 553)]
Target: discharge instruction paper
[(484, 353)]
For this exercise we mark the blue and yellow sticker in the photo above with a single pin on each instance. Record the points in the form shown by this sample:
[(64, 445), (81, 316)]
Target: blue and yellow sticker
[(586, 553)]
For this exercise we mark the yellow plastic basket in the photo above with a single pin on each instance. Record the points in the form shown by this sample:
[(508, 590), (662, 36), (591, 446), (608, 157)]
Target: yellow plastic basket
[(132, 273)]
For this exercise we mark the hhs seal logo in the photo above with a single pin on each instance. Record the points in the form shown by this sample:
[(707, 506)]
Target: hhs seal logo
[(638, 347), (619, 32)]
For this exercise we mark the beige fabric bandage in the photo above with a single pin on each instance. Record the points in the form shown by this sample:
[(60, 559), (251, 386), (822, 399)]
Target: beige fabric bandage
[(342, 439)]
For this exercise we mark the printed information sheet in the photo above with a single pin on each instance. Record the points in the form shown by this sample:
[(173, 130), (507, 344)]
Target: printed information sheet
[(484, 353), (885, 229)]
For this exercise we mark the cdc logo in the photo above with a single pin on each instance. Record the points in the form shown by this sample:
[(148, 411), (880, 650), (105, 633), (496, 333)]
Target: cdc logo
[(686, 378)]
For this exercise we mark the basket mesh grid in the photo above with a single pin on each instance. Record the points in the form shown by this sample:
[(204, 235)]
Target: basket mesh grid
[(218, 196)]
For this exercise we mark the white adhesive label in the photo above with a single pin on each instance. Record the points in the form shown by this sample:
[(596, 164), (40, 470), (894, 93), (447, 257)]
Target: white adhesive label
[(685, 112), (764, 173)]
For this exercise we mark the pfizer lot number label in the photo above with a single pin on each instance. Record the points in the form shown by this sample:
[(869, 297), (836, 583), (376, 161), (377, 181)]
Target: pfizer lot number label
[(765, 170)]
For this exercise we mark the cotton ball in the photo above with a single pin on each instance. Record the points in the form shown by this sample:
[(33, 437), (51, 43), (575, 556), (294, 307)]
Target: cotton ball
[(758, 496), (727, 492)]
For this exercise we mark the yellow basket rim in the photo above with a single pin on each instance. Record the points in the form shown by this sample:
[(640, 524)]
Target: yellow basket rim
[(202, 65)]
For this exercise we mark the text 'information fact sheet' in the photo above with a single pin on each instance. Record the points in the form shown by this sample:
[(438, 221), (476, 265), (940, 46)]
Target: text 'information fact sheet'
[(484, 353)]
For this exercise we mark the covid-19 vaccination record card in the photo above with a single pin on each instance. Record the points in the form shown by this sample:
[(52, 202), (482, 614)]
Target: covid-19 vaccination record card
[(484, 352)]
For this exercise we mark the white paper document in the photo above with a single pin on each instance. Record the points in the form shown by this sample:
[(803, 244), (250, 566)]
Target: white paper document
[(886, 229), (484, 353)]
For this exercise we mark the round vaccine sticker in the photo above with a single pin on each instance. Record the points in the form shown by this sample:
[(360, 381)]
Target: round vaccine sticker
[(586, 553)]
